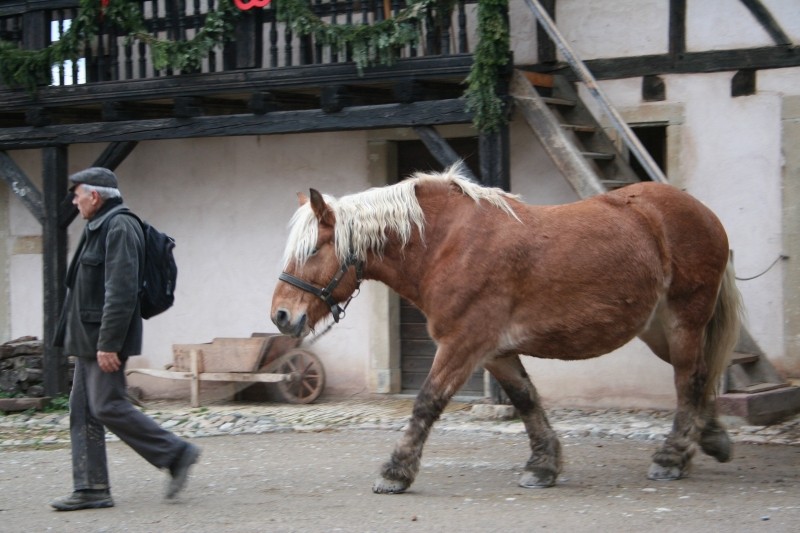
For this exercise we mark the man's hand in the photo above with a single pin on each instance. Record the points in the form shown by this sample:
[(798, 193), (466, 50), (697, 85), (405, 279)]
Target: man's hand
[(108, 361)]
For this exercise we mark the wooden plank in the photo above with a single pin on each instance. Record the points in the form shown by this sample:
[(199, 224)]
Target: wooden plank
[(194, 386), (435, 112), (743, 358), (414, 331), (222, 354), (759, 387), (440, 149), (256, 377), (23, 404), (455, 67), (539, 79), (767, 57)]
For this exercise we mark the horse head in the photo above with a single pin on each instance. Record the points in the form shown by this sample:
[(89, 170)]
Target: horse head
[(316, 278)]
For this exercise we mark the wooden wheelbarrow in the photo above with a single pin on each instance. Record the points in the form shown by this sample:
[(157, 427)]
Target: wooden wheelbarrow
[(262, 358)]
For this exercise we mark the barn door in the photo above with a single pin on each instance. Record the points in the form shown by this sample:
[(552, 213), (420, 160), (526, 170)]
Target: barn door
[(417, 349)]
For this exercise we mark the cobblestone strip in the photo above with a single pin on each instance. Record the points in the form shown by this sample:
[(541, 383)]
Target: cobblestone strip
[(43, 429)]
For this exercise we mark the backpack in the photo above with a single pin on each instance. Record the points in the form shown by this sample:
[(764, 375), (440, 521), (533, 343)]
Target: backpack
[(160, 270)]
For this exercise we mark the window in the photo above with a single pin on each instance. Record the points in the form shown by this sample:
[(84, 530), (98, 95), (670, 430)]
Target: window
[(654, 139)]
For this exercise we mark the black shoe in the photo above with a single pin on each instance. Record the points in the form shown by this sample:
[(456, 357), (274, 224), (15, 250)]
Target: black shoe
[(180, 470), (83, 499)]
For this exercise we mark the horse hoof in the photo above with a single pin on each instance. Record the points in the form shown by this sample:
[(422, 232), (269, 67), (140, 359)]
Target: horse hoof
[(537, 480), (664, 473), (718, 445), (389, 486)]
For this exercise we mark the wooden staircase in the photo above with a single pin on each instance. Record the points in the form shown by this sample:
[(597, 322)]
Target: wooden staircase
[(570, 134)]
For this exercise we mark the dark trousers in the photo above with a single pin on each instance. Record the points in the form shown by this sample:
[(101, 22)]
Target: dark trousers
[(99, 401)]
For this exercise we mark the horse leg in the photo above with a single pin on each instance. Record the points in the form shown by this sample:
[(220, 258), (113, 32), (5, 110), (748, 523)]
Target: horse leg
[(444, 379), (673, 459), (714, 438), (544, 465)]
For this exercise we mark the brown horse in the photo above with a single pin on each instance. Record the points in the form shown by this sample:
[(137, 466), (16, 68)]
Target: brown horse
[(497, 278)]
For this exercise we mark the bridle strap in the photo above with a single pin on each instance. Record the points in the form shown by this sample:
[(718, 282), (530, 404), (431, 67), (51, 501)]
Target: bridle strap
[(326, 294)]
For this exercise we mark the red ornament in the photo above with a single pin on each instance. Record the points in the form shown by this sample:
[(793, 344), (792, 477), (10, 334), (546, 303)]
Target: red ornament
[(244, 5)]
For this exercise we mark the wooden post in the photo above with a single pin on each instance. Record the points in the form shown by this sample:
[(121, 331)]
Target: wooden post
[(54, 266), (194, 368), (494, 158)]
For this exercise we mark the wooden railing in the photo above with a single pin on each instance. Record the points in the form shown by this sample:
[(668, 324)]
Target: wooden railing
[(261, 42)]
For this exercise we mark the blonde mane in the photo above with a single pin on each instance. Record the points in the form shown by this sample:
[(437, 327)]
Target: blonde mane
[(364, 220)]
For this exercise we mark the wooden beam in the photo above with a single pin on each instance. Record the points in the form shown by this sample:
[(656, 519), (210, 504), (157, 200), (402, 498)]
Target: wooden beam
[(242, 81), (677, 27), (495, 148), (767, 57), (440, 149), (21, 186), (767, 21), (546, 49), (113, 155), (54, 267), (435, 112)]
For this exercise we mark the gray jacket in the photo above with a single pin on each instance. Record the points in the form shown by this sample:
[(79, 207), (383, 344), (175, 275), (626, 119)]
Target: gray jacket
[(102, 310)]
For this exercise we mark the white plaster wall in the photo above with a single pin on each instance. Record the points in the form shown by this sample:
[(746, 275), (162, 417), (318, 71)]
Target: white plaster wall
[(227, 203), (728, 24), (598, 29), (25, 269), (733, 163)]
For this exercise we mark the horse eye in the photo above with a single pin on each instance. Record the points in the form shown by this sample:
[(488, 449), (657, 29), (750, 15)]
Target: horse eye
[(314, 251)]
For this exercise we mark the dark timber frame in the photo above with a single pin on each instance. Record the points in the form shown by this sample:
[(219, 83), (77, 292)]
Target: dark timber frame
[(418, 92)]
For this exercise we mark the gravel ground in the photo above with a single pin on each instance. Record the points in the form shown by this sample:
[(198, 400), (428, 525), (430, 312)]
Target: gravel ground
[(287, 468)]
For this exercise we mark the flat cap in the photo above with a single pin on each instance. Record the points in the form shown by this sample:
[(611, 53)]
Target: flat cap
[(97, 176)]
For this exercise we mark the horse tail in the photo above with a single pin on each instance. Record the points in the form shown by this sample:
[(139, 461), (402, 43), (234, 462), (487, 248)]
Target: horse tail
[(722, 331)]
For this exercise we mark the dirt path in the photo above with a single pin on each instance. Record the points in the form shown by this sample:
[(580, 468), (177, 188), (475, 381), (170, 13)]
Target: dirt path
[(321, 481)]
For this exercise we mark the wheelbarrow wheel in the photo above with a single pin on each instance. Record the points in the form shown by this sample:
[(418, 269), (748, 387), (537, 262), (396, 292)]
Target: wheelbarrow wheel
[(309, 379)]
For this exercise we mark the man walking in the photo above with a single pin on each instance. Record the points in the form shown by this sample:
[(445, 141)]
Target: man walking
[(101, 325)]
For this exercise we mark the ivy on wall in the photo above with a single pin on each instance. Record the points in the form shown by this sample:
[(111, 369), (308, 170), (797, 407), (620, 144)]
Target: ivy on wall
[(371, 44)]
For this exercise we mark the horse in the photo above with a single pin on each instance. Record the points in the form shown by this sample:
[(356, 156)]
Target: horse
[(498, 278)]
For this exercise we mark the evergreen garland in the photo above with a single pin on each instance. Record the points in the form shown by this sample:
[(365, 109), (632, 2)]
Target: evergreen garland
[(371, 44), (491, 57)]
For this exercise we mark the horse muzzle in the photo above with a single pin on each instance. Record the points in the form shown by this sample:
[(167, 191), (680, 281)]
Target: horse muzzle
[(296, 327)]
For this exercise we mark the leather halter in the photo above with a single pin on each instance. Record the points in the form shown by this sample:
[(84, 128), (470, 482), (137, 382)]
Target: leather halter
[(326, 294)]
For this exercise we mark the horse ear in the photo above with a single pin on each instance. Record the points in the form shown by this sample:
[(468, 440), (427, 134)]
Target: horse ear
[(324, 213), (302, 198)]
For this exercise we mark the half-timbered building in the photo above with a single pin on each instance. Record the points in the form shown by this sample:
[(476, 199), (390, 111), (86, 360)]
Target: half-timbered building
[(704, 94)]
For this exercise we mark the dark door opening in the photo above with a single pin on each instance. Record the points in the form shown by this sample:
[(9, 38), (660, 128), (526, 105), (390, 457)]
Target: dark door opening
[(417, 349)]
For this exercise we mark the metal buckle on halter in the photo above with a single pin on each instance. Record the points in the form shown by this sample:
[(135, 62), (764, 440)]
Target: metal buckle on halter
[(326, 294)]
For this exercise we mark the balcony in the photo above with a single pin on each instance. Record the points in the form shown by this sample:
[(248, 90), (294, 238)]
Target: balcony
[(265, 69)]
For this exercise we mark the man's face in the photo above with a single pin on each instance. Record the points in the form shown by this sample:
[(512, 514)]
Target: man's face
[(87, 202)]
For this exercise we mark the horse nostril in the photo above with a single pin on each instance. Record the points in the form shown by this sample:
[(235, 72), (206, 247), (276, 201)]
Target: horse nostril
[(281, 318)]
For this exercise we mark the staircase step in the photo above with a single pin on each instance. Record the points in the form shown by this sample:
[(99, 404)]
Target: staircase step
[(616, 184), (579, 128), (537, 79), (759, 387), (739, 358), (603, 156), (551, 100), (760, 408)]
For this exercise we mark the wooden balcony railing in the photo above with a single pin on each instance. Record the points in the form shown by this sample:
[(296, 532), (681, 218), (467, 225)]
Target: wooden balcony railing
[(260, 42)]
